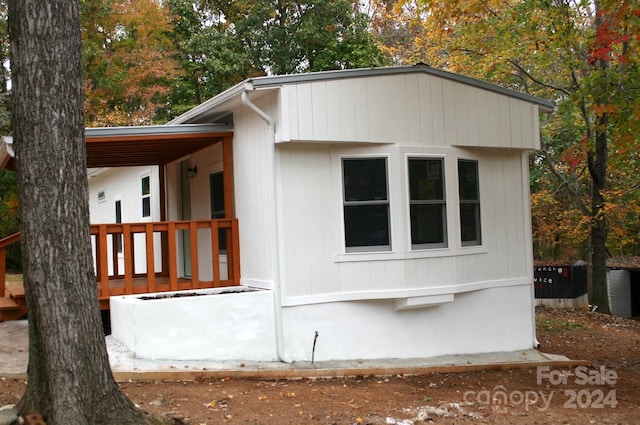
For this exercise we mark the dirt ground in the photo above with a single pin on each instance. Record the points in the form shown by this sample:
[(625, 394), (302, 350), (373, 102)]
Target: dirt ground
[(606, 392)]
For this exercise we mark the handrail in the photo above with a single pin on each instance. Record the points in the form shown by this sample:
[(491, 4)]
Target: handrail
[(130, 234), (132, 239), (4, 244), (9, 240)]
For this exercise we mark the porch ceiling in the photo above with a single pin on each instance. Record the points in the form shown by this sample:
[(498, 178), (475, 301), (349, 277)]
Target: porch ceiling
[(150, 145), (132, 146)]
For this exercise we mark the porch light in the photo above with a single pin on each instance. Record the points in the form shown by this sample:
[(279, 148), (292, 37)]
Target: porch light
[(192, 171)]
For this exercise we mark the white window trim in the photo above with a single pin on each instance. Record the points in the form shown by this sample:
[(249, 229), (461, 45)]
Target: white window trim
[(150, 196), (398, 187)]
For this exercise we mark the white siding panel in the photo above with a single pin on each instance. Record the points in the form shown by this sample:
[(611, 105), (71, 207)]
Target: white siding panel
[(362, 116), (536, 127), (437, 111), (461, 117), (495, 121), (387, 109), (496, 233), (483, 132), (320, 111), (414, 114), (254, 191), (309, 267), (337, 111), (516, 123), (305, 111), (289, 94), (472, 121), (450, 113), (505, 122)]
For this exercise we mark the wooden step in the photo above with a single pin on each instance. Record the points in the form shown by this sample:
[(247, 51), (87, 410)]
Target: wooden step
[(15, 292), (7, 304), (10, 310)]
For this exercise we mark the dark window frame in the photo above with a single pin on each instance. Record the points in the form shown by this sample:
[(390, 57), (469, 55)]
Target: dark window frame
[(366, 204), (427, 202), (469, 198)]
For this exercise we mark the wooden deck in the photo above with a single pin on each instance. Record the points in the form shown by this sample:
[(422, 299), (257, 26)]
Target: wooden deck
[(121, 248)]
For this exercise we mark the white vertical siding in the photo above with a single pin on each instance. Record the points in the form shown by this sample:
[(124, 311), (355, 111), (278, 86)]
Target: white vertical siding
[(253, 165), (409, 109), (313, 252), (124, 184)]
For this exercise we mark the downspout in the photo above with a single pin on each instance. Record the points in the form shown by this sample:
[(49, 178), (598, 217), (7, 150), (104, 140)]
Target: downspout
[(277, 287)]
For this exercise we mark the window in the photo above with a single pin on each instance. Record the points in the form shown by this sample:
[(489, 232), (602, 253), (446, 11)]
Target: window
[(216, 187), (146, 196), (118, 236), (366, 205), (469, 202), (427, 205)]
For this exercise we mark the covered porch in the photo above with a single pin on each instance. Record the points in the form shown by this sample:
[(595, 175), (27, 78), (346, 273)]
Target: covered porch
[(120, 248)]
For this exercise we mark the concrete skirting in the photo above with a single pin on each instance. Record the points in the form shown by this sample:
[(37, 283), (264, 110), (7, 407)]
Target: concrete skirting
[(210, 324)]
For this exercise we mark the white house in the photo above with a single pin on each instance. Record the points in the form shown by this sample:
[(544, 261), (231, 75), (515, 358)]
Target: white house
[(386, 209)]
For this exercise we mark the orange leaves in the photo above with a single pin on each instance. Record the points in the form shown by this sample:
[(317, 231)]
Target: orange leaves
[(130, 62), (615, 27)]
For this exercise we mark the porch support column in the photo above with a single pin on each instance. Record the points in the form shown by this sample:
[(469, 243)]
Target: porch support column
[(164, 242), (227, 176)]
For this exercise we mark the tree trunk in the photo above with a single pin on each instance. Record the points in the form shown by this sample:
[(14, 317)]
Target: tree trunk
[(598, 171), (69, 377)]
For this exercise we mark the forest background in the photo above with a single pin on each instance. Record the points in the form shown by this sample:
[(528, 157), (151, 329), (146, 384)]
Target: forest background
[(147, 61)]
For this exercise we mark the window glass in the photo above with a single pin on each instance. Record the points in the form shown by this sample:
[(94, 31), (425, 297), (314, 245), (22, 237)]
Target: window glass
[(366, 204), (468, 187), (118, 237), (146, 196), (427, 203), (216, 186)]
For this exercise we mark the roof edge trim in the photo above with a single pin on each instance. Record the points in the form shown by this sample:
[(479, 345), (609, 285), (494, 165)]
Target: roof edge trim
[(156, 130), (391, 70)]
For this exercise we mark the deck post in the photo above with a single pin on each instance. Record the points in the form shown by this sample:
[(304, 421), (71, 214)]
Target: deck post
[(173, 260), (151, 265), (193, 240), (128, 259)]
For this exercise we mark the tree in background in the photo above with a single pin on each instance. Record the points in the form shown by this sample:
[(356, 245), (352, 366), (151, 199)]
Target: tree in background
[(582, 54), (222, 43), (69, 376), (130, 63)]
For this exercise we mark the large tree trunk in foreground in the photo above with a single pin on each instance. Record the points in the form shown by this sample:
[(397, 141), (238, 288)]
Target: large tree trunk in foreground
[(69, 378)]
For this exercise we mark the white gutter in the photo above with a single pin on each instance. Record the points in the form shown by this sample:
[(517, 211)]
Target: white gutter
[(277, 287)]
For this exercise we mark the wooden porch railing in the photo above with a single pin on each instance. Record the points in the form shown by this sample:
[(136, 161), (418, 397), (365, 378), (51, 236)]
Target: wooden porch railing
[(112, 281), (129, 282)]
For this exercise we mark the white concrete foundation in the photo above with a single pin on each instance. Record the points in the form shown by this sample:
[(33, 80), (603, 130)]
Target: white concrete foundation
[(218, 324), (490, 320), (241, 326)]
